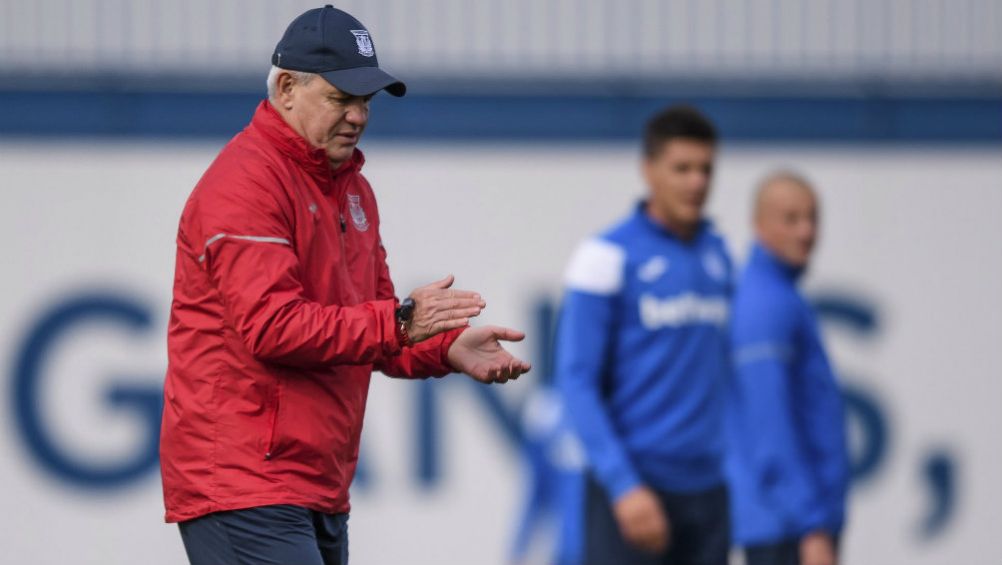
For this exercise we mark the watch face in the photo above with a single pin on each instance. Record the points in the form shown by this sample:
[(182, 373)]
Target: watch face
[(406, 310)]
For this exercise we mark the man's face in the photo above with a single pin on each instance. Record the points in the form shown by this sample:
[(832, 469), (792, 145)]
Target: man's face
[(787, 221), (326, 117), (679, 181)]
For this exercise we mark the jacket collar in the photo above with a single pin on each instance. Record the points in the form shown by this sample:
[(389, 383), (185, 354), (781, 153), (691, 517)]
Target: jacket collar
[(272, 127), (648, 222), (763, 258)]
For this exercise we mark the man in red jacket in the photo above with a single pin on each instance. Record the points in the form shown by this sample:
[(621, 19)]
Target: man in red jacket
[(283, 306)]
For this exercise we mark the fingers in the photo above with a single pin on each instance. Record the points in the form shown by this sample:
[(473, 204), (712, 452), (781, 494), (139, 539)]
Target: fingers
[(442, 290), (504, 374), (444, 283), (437, 311), (471, 312), (518, 368), (439, 308), (469, 302), (508, 371), (507, 334), (433, 298), (446, 325), (466, 295), (443, 311), (478, 353), (454, 293)]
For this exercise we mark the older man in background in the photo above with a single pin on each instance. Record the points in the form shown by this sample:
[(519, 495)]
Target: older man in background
[(787, 463)]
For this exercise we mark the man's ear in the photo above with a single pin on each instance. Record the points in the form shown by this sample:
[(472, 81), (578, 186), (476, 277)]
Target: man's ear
[(284, 87)]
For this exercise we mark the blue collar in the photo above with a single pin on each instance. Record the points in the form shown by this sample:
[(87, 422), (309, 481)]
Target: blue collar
[(762, 257), (645, 219)]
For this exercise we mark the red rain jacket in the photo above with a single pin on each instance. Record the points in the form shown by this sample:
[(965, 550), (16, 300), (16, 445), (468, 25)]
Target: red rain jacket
[(283, 307)]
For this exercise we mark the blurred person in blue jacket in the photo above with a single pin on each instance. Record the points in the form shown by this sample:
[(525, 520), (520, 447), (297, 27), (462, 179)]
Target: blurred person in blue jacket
[(787, 462), (643, 359)]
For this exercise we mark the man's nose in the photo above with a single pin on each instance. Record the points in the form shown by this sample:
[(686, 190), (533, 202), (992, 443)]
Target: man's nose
[(357, 114)]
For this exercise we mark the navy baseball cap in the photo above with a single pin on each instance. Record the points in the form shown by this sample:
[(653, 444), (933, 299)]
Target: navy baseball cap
[(336, 46)]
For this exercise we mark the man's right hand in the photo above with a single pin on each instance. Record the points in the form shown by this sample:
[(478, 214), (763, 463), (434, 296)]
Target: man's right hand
[(642, 521), (438, 308), (818, 548)]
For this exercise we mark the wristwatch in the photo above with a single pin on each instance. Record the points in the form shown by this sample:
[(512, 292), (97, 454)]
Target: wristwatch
[(404, 313)]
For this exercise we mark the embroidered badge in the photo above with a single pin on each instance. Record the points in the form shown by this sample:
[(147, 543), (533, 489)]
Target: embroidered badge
[(357, 212), (364, 42)]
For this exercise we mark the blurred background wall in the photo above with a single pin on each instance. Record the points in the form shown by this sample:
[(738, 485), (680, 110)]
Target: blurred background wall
[(518, 137)]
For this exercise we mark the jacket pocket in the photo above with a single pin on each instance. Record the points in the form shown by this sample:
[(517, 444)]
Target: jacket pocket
[(276, 404)]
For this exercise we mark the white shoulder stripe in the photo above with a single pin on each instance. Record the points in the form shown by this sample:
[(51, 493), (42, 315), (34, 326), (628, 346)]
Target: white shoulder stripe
[(596, 267), (255, 238)]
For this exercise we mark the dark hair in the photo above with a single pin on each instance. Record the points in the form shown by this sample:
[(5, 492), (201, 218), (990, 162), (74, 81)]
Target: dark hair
[(677, 122)]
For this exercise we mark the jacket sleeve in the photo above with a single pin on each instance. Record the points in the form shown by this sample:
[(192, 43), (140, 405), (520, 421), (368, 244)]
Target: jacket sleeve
[(584, 345), (825, 429), (426, 359), (765, 343), (245, 245)]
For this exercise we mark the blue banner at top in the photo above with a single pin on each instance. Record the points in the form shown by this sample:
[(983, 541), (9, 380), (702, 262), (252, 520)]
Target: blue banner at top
[(571, 112)]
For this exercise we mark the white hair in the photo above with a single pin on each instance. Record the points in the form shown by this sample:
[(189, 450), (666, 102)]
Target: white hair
[(298, 76)]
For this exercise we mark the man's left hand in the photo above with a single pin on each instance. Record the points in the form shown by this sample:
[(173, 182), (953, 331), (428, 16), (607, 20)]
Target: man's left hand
[(478, 353)]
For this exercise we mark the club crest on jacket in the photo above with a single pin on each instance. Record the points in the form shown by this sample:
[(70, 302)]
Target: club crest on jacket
[(357, 212)]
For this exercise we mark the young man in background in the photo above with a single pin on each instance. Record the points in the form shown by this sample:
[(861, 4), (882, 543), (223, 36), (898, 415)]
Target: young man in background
[(642, 360)]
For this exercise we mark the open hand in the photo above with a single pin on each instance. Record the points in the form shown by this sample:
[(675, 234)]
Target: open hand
[(438, 308), (642, 521), (478, 353)]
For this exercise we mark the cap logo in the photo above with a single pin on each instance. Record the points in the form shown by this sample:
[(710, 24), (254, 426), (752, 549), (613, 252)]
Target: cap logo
[(363, 42)]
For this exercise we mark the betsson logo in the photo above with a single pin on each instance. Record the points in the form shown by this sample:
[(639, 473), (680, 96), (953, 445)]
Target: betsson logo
[(688, 308)]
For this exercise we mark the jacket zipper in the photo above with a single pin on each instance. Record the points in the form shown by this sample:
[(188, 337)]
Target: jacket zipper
[(341, 198)]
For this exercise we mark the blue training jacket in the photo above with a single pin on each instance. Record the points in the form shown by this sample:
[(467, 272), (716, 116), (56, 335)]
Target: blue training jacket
[(643, 355), (787, 463)]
